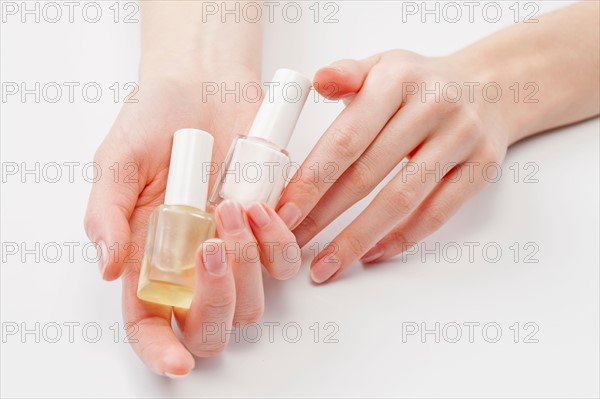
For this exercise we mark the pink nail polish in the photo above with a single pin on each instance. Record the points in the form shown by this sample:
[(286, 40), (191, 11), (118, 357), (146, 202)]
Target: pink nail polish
[(258, 215)]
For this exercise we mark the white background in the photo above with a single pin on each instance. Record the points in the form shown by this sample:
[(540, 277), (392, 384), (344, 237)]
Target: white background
[(559, 214)]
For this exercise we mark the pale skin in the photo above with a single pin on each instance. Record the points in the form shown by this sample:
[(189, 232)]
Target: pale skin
[(381, 125), (176, 49)]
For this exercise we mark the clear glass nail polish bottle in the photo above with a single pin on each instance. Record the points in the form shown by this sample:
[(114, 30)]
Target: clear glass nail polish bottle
[(177, 228), (257, 165)]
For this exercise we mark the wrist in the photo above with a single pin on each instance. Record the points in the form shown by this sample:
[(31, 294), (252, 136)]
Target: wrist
[(193, 72)]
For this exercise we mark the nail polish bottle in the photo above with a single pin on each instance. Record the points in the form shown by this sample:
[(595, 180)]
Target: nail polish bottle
[(257, 166), (177, 228)]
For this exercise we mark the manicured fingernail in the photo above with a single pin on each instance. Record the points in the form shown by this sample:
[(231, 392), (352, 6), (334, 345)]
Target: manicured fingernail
[(258, 215), (213, 256), (347, 98), (324, 268), (103, 258), (335, 68), (372, 254), (176, 376), (230, 214), (290, 214)]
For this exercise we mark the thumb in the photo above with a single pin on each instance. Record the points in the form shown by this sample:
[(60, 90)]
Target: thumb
[(343, 79), (110, 205)]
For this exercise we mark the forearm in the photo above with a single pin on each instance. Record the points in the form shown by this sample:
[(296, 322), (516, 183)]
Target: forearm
[(181, 39), (558, 54)]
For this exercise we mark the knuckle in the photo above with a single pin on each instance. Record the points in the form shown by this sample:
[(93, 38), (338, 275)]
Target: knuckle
[(358, 179), (207, 349), (436, 217), (307, 229), (356, 246), (307, 187), (401, 200), (397, 241), (345, 141), (470, 128), (219, 306), (388, 71), (248, 313), (397, 237), (287, 271), (437, 104), (414, 72), (473, 123), (489, 153)]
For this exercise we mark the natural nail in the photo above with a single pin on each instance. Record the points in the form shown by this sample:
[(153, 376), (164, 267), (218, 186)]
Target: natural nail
[(372, 254), (258, 215), (103, 258), (335, 68), (290, 214), (230, 214), (176, 376), (324, 268), (214, 258)]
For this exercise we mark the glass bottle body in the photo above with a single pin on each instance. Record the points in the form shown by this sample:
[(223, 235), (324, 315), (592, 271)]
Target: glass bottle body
[(255, 170), (168, 272)]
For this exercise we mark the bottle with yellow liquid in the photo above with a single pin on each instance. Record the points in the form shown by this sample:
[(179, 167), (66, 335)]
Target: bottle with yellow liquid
[(177, 228)]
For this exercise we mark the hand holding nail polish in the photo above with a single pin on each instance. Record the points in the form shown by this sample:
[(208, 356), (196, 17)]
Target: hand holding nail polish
[(177, 228), (257, 166)]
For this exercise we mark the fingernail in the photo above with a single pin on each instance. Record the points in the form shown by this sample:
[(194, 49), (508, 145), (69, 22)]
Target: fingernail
[(372, 254), (324, 268), (335, 68), (258, 215), (103, 258), (347, 98), (213, 257), (230, 214), (290, 214), (176, 376)]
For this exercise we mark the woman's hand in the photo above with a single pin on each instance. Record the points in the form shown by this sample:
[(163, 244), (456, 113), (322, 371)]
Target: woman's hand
[(118, 211), (441, 114), (388, 118)]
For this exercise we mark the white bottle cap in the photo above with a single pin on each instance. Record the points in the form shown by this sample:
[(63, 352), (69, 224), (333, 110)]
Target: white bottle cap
[(281, 107), (191, 156)]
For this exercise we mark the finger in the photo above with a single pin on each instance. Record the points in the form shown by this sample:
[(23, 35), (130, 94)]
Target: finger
[(279, 250), (243, 253), (456, 188), (343, 78), (150, 334), (109, 208), (403, 133), (206, 324), (396, 201), (149, 325), (344, 141)]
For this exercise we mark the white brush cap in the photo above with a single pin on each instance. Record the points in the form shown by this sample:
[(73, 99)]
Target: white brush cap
[(281, 107), (189, 170)]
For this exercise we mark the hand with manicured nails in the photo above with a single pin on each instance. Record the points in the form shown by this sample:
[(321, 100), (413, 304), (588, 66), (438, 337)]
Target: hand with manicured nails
[(403, 105), (138, 147), (380, 126)]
